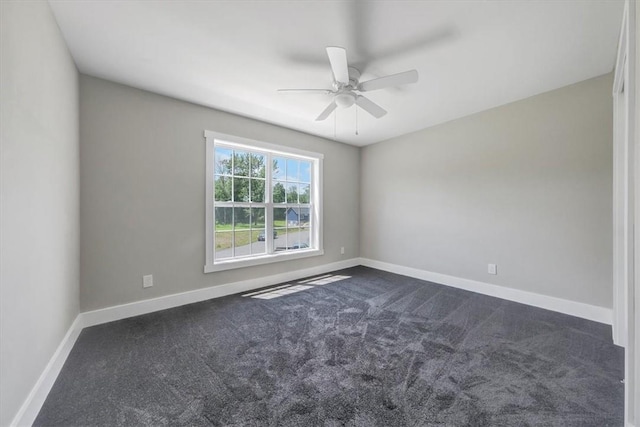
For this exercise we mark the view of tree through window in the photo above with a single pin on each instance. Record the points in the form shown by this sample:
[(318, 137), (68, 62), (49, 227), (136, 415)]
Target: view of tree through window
[(243, 203)]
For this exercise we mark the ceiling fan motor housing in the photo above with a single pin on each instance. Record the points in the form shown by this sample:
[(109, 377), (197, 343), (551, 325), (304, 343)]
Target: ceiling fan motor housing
[(345, 97), (354, 79)]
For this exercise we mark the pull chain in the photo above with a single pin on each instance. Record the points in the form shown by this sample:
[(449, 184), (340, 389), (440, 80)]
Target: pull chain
[(356, 120)]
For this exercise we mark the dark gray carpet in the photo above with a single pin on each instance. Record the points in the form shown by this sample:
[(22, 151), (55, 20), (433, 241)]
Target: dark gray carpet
[(375, 349)]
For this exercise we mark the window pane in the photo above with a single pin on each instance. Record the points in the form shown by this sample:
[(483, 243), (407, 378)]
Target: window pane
[(279, 168), (258, 245), (240, 163), (242, 243), (279, 217), (280, 240), (259, 235), (222, 158), (293, 239), (293, 217), (305, 171), (222, 188), (305, 193), (292, 193), (279, 192), (304, 217), (292, 169), (224, 219), (305, 238), (257, 190), (258, 165), (223, 244), (257, 217), (240, 189), (242, 218)]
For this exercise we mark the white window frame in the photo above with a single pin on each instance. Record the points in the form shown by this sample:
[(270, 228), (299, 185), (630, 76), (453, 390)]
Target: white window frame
[(316, 239)]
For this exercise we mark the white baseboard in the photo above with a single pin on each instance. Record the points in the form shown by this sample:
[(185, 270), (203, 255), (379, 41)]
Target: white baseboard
[(34, 401), (109, 314), (573, 308)]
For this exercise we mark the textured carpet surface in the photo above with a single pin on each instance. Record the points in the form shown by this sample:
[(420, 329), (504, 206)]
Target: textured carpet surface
[(359, 347)]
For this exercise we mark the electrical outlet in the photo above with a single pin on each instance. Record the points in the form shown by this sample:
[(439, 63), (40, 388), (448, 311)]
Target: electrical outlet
[(147, 281), (492, 269), (342, 250)]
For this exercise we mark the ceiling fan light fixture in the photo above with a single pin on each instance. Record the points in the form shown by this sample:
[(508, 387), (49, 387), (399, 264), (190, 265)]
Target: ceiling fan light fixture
[(346, 85), (345, 99)]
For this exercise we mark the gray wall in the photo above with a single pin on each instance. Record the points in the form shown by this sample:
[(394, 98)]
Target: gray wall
[(39, 197), (143, 193), (527, 186)]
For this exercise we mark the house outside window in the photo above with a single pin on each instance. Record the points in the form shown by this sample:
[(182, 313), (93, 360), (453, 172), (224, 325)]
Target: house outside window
[(263, 202)]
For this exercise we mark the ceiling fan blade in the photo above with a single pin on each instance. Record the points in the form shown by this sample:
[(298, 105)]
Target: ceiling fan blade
[(327, 111), (388, 81), (339, 66), (322, 91), (370, 107)]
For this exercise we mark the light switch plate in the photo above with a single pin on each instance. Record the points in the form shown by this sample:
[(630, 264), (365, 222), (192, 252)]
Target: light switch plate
[(492, 269)]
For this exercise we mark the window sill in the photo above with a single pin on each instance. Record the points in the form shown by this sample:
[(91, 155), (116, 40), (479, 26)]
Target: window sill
[(266, 259)]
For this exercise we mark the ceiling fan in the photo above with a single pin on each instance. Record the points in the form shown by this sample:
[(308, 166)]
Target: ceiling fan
[(347, 87)]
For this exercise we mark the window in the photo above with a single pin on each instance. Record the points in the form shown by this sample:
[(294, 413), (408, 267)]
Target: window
[(263, 203)]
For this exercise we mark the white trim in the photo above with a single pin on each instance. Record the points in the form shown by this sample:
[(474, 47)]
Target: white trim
[(263, 259), (252, 143), (209, 223), (573, 308), (620, 237), (623, 177), (632, 355), (33, 403), (621, 53), (318, 188), (109, 314), (626, 209)]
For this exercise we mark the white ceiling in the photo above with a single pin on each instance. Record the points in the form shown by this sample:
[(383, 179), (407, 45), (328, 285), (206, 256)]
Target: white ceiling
[(233, 55)]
